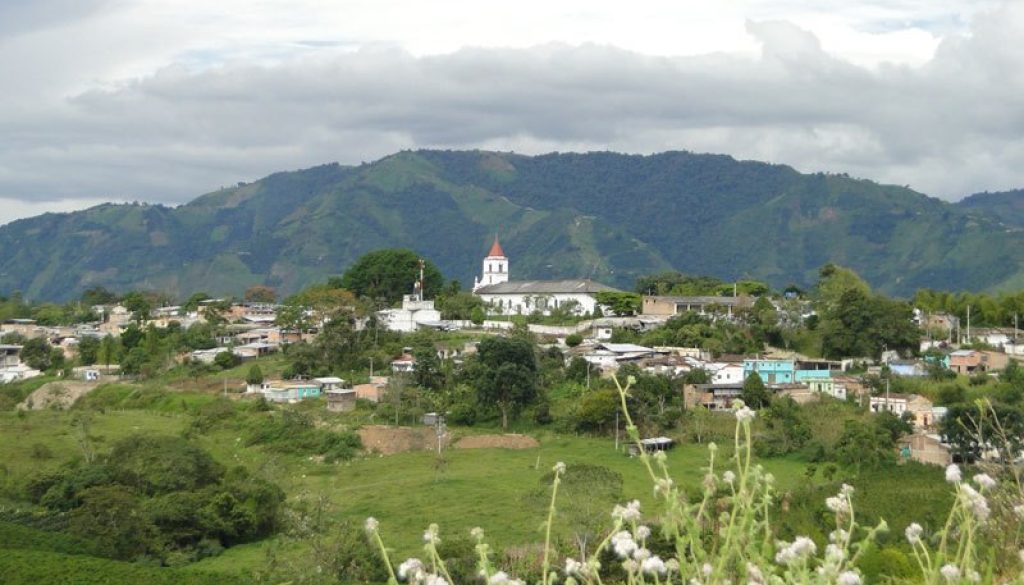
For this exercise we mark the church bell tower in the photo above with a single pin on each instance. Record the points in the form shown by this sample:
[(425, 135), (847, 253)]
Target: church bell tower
[(495, 267)]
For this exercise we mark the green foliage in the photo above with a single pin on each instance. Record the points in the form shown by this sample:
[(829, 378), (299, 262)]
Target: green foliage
[(386, 275), (755, 393), (573, 340), (506, 374), (33, 567), (254, 375), (689, 329), (154, 465), (460, 306), (855, 323), (622, 304), (113, 518), (294, 432), (37, 353)]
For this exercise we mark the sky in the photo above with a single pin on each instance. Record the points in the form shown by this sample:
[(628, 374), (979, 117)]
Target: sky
[(164, 100)]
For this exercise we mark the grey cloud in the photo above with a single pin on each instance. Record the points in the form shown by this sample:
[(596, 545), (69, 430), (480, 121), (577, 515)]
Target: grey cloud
[(949, 128)]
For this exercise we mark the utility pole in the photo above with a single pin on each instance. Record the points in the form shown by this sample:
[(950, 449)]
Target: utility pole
[(968, 323)]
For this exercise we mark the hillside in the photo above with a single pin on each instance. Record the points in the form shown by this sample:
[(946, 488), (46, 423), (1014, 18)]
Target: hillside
[(1006, 207), (600, 215)]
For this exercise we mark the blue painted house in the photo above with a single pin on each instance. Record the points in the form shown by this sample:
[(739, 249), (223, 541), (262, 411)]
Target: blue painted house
[(772, 371)]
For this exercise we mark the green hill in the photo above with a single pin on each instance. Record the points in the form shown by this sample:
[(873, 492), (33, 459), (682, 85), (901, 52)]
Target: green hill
[(600, 215), (1006, 207)]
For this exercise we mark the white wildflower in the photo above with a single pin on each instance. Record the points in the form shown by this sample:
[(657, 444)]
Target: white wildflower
[(516, 582), (660, 456), (800, 548), (572, 566), (371, 524), (628, 513), (729, 477), (435, 580), (712, 447), (834, 553), (973, 576), (641, 554), (804, 546), (913, 533), (410, 569), (953, 473), (984, 481), (643, 532), (839, 536), (663, 485), (745, 414), (848, 578), (630, 565), (430, 536), (672, 565), (499, 578), (976, 501), (623, 544), (559, 468), (846, 490), (706, 569), (653, 566), (477, 533), (950, 572), (754, 573), (837, 504)]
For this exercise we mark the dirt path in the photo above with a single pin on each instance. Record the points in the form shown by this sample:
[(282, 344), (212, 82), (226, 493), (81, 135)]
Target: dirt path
[(497, 442), (56, 395)]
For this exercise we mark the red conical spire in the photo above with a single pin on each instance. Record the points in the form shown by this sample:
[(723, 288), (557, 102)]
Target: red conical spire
[(496, 249)]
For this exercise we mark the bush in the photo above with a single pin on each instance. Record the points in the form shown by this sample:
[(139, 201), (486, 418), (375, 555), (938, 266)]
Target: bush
[(574, 340), (293, 432)]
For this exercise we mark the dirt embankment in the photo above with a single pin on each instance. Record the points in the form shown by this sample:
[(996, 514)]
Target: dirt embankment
[(56, 395), (497, 442), (389, 440)]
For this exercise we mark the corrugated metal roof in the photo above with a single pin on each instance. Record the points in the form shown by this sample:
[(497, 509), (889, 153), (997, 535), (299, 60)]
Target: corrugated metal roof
[(546, 287)]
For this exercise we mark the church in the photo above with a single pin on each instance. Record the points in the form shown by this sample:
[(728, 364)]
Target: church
[(522, 297)]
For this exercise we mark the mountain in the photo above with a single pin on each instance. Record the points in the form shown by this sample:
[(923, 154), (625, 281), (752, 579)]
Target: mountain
[(1006, 207), (600, 215)]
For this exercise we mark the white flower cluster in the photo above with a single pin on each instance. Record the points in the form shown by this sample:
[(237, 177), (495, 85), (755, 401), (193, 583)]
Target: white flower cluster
[(628, 513), (559, 468), (653, 566), (502, 578), (976, 502), (729, 477), (799, 549), (913, 533), (430, 536), (953, 473), (984, 481), (371, 524), (413, 571), (848, 578), (623, 544), (744, 414)]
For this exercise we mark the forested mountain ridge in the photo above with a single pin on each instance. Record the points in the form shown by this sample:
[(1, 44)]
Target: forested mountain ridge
[(600, 215), (1006, 207)]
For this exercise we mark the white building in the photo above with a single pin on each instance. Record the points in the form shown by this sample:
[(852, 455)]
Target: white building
[(510, 297), (415, 311)]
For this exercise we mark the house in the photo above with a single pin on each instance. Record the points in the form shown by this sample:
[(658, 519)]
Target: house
[(610, 355), (341, 399), (771, 371), (941, 322), (207, 356), (927, 448), (253, 350), (827, 386), (293, 391), (918, 406), (969, 361), (404, 364), (10, 356), (373, 390), (330, 383), (809, 369), (524, 297), (995, 336), (726, 373), (711, 396), (707, 305)]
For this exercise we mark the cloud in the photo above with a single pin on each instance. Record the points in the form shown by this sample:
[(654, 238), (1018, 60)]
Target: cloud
[(948, 127)]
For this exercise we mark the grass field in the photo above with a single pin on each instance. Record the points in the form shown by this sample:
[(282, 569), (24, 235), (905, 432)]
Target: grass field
[(500, 490)]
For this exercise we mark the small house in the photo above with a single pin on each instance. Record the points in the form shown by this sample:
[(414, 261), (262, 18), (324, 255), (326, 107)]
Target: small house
[(341, 399)]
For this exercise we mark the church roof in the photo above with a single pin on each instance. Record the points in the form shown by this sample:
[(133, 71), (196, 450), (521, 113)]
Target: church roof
[(533, 287), (496, 250)]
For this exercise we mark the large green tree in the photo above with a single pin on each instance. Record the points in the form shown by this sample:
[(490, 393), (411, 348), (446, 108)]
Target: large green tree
[(506, 375), (385, 275)]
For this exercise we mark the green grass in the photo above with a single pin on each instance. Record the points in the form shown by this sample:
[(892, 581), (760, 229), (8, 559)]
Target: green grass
[(35, 567)]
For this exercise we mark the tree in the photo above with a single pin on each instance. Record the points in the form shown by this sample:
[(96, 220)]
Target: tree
[(506, 375), (388, 274), (623, 304), (112, 518), (460, 306), (226, 360), (88, 350), (138, 304), (755, 393), (108, 351), (255, 375), (573, 339), (37, 354), (260, 294)]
